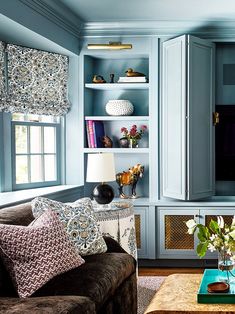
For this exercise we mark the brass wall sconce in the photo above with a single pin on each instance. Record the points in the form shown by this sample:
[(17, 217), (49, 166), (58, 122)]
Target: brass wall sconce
[(110, 46)]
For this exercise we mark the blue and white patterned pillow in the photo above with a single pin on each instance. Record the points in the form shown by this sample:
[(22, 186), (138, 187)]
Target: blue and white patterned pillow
[(78, 220)]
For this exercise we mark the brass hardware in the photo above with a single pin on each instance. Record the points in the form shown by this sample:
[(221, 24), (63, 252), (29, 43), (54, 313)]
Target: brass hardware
[(215, 118), (111, 46)]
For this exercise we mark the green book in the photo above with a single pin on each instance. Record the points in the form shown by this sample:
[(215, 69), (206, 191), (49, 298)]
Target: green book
[(212, 275)]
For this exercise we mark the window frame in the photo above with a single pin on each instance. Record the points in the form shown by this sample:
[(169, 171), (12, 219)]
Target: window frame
[(23, 186)]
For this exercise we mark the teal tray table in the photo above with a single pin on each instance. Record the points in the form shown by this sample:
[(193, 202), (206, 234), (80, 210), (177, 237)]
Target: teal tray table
[(203, 296)]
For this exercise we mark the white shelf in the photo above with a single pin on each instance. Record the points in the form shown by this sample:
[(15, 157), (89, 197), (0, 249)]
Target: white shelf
[(117, 118), (117, 150), (112, 86)]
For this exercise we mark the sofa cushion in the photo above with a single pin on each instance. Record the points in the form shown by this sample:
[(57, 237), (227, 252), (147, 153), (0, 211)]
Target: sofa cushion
[(17, 215), (47, 305), (37, 253), (79, 223), (98, 278)]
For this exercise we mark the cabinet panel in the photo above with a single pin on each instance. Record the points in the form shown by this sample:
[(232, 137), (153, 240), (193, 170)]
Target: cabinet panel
[(141, 217), (187, 103), (174, 241), (200, 127), (173, 115)]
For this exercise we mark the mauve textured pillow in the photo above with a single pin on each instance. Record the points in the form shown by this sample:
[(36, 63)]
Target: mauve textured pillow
[(79, 222), (35, 254)]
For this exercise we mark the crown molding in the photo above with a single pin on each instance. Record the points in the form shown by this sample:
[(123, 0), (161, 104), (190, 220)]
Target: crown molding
[(57, 13), (203, 28)]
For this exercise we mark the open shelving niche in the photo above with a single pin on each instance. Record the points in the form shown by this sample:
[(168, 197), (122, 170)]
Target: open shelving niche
[(96, 97)]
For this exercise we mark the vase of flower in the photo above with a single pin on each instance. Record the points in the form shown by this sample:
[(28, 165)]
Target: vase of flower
[(226, 265), (133, 143), (133, 135), (220, 237)]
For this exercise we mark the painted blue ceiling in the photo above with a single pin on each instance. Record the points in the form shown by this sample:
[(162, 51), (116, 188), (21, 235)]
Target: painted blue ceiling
[(151, 10)]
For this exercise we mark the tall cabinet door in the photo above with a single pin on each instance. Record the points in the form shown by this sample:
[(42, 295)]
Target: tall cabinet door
[(187, 105), (200, 172), (173, 118)]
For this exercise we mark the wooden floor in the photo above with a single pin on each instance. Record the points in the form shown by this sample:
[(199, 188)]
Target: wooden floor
[(168, 271)]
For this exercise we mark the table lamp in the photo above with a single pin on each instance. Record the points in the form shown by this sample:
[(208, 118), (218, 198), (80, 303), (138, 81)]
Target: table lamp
[(100, 168)]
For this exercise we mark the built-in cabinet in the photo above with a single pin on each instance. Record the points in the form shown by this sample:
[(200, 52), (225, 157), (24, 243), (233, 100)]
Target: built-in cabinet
[(187, 126), (174, 241)]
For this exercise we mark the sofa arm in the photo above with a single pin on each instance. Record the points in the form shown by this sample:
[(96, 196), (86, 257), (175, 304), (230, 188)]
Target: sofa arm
[(51, 304), (113, 245)]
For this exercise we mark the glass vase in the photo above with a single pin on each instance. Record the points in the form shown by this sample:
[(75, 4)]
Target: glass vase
[(226, 265), (133, 143)]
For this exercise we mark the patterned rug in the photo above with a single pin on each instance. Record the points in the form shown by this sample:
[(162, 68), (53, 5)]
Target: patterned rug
[(147, 287)]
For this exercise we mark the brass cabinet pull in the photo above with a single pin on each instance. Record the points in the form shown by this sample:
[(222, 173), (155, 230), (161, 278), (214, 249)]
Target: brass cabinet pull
[(215, 118)]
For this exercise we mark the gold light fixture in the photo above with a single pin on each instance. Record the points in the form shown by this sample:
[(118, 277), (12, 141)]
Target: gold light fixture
[(111, 46)]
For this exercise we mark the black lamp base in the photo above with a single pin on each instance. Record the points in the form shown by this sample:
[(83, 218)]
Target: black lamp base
[(103, 194)]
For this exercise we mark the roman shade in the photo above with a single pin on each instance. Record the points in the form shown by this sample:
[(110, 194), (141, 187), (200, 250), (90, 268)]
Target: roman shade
[(2, 77), (36, 81)]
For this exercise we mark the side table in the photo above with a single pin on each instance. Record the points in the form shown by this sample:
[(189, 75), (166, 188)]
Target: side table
[(117, 221)]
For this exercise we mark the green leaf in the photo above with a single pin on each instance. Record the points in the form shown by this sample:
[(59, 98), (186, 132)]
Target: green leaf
[(203, 233), (214, 226), (201, 249)]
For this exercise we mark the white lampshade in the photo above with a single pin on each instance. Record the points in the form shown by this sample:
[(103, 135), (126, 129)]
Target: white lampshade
[(100, 168)]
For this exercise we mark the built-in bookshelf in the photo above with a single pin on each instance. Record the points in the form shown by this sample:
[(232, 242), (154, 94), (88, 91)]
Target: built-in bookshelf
[(97, 95)]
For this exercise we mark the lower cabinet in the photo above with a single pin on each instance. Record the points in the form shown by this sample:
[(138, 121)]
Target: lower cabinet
[(172, 238), (174, 241), (145, 225)]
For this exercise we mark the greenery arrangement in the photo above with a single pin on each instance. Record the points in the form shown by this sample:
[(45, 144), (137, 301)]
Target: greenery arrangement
[(218, 236)]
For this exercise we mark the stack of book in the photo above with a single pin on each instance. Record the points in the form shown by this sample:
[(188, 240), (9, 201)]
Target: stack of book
[(95, 133), (132, 79)]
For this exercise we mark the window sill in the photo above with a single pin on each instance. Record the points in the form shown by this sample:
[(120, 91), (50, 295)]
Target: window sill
[(16, 197)]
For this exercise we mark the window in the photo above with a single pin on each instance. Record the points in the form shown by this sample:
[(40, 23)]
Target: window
[(35, 151)]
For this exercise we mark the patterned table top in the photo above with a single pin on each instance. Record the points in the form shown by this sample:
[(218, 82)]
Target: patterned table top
[(178, 294)]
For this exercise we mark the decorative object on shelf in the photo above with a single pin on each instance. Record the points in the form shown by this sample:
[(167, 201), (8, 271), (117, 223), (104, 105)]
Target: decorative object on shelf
[(132, 79), (129, 177), (119, 107), (133, 135), (131, 72), (124, 143), (98, 79), (110, 46), (217, 236), (107, 142), (111, 78), (101, 168)]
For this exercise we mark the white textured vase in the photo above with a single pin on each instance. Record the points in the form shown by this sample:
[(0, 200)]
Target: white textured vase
[(119, 107)]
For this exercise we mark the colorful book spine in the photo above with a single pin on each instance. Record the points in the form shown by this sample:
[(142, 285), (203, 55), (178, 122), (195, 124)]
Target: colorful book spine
[(98, 128), (91, 133), (87, 135)]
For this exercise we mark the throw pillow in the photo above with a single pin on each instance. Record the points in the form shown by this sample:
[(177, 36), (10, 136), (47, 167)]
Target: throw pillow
[(65, 210), (35, 254), (84, 232), (79, 222)]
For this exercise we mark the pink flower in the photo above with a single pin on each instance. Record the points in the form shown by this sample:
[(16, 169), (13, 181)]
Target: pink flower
[(133, 133), (124, 130)]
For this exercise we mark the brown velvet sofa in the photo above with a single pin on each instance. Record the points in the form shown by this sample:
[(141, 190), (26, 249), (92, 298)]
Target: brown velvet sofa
[(106, 283)]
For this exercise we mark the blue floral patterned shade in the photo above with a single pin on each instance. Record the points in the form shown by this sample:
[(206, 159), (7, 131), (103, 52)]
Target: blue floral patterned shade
[(2, 76), (37, 81)]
